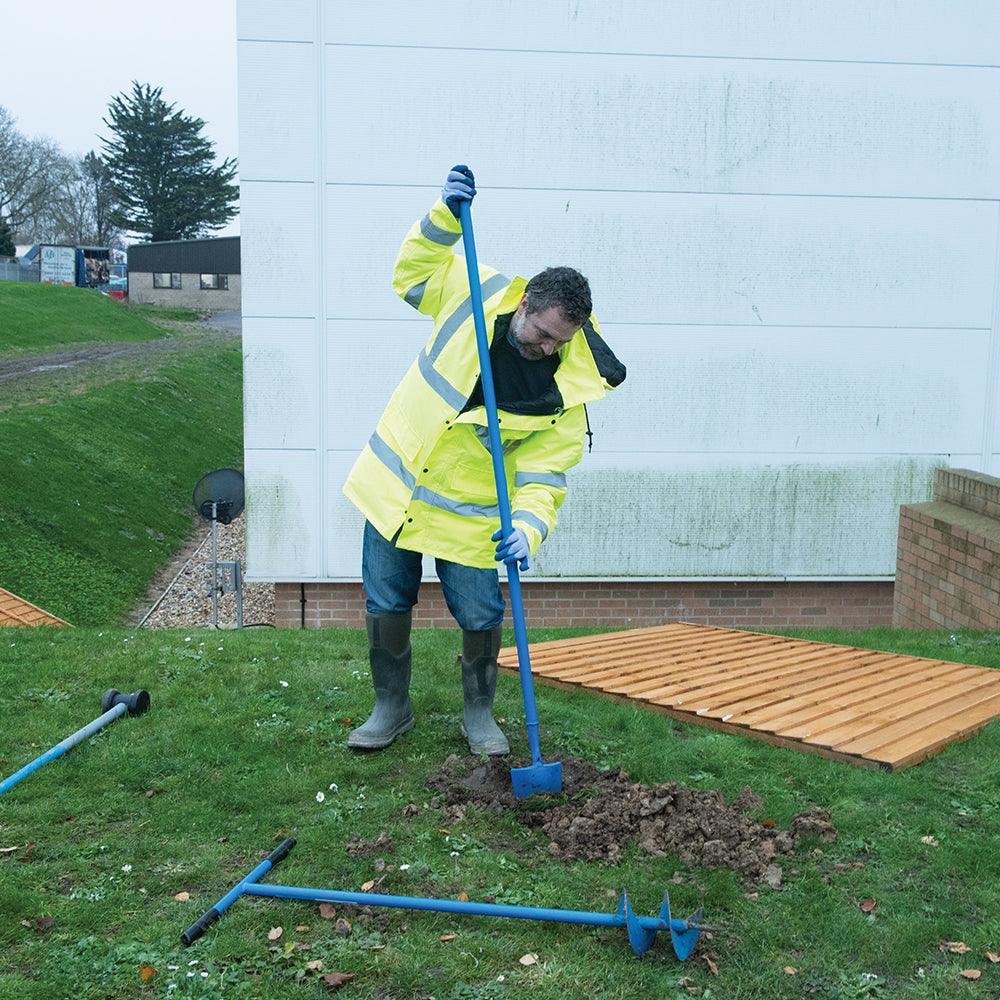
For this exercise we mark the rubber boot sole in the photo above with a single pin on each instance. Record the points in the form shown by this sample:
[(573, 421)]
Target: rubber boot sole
[(496, 751), (379, 743)]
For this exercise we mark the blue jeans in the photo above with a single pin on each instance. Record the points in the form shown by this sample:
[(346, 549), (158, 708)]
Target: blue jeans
[(391, 579)]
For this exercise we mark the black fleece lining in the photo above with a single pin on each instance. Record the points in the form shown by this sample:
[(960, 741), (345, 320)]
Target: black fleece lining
[(611, 369)]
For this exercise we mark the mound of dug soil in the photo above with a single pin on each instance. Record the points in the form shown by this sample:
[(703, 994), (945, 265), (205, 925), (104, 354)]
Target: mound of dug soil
[(603, 812)]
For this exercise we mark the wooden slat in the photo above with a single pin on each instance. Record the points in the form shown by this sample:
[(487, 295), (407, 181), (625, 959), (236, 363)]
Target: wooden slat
[(869, 708), (671, 661), (816, 716), (911, 750)]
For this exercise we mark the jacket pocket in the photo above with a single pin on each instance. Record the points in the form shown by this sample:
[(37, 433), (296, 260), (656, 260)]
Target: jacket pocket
[(407, 440)]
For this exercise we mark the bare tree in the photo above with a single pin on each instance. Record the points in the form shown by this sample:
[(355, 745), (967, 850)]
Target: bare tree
[(31, 172), (102, 200)]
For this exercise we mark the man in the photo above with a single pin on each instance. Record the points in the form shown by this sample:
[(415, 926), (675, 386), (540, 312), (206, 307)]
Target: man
[(425, 479)]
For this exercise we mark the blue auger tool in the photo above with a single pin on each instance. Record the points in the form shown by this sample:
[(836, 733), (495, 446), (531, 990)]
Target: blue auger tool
[(113, 705), (642, 931), (536, 777)]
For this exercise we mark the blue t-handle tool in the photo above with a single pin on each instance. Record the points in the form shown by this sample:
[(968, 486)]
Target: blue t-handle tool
[(537, 777)]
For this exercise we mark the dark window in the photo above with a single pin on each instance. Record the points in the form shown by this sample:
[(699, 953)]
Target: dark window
[(164, 279), (216, 281)]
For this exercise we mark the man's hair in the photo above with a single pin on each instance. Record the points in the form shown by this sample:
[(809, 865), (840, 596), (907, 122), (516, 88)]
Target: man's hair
[(562, 287)]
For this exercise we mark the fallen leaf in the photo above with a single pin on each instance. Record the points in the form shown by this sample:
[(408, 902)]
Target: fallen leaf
[(955, 947), (970, 973), (182, 897), (345, 722), (445, 938), (368, 886), (337, 979), (411, 810), (300, 928), (712, 967), (326, 911), (752, 895), (26, 923), (44, 923), (146, 972), (27, 849), (274, 933), (343, 927), (530, 959), (316, 965), (768, 824), (790, 970), (993, 957), (868, 905), (302, 946), (462, 897), (929, 841)]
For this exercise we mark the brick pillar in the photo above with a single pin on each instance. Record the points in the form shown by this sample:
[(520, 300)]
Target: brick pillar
[(948, 555)]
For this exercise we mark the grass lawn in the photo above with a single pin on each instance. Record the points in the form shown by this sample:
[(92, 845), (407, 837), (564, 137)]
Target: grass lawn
[(98, 478), (40, 319), (230, 760)]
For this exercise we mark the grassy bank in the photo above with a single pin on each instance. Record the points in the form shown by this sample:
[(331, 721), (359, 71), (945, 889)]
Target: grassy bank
[(97, 485), (246, 730), (39, 319)]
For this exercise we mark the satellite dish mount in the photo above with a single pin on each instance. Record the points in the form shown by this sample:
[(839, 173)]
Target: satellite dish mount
[(218, 497)]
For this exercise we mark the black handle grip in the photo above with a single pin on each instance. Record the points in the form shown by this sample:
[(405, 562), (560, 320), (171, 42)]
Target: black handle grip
[(136, 703), (201, 925), (281, 851)]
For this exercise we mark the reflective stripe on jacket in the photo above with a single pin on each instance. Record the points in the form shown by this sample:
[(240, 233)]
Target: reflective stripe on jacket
[(426, 471)]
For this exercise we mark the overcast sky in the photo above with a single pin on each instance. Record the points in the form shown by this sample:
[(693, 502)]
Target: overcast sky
[(63, 61)]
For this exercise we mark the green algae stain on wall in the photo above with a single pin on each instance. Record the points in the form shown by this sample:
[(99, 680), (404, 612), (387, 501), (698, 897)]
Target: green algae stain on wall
[(835, 519)]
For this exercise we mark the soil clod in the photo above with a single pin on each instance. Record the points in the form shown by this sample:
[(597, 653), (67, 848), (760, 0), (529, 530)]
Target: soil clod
[(361, 848)]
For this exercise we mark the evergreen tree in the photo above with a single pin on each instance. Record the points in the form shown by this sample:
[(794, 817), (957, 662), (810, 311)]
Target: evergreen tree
[(7, 248), (162, 171)]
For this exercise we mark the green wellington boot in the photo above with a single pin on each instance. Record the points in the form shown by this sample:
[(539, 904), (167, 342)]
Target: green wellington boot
[(479, 683), (389, 655)]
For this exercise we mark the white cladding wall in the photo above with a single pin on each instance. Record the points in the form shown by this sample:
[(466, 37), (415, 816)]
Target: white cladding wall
[(788, 213)]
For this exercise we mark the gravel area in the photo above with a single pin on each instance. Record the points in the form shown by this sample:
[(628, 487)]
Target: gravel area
[(188, 600)]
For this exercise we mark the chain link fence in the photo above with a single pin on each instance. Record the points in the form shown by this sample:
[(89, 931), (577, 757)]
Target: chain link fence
[(14, 270)]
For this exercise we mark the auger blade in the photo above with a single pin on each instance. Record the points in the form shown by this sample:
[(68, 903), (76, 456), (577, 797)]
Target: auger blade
[(641, 938), (686, 937)]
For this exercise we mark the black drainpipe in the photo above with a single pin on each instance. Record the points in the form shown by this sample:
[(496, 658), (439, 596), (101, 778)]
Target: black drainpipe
[(302, 605)]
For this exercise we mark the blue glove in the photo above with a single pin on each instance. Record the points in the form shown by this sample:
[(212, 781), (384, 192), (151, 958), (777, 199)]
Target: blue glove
[(514, 549), (460, 186)]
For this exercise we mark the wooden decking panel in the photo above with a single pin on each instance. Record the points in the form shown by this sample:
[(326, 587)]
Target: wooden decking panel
[(16, 611), (869, 708)]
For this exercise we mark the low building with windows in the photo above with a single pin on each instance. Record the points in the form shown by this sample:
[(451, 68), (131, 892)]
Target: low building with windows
[(203, 274)]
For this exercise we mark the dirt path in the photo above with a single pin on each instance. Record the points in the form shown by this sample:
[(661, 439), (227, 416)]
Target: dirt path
[(25, 367)]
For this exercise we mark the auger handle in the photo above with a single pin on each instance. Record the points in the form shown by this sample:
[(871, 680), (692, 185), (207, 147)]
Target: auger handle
[(213, 913), (500, 475)]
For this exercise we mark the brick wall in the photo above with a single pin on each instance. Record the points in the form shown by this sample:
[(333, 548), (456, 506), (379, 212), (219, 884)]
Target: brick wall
[(948, 556), (624, 605)]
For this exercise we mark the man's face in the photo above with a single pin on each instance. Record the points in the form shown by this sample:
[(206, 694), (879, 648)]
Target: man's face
[(537, 335)]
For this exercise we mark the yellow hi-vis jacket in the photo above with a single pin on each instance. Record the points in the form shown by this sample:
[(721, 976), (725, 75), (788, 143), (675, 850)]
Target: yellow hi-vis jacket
[(427, 471)]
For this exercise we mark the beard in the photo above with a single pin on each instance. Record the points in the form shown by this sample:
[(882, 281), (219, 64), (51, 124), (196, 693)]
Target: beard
[(514, 334)]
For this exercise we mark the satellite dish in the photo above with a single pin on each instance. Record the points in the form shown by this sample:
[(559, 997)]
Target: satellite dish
[(219, 495)]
